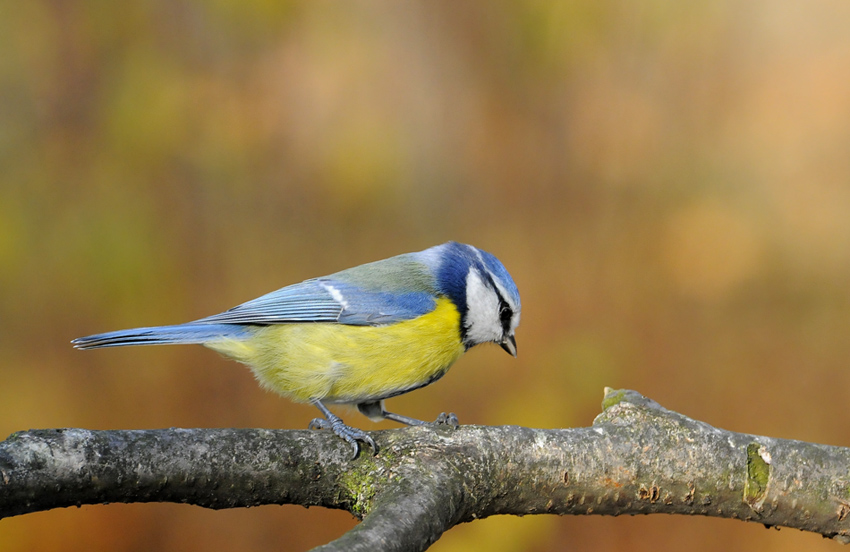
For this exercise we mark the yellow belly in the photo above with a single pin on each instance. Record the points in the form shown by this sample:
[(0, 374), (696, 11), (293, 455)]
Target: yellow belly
[(350, 364)]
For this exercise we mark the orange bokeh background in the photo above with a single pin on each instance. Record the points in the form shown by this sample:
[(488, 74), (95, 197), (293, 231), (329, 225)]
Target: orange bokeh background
[(669, 185)]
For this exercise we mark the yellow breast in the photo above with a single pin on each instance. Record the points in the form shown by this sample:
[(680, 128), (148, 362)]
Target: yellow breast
[(350, 364)]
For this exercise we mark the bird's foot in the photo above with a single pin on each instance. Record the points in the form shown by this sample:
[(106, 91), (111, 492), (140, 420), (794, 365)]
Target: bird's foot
[(449, 419), (350, 434), (443, 419)]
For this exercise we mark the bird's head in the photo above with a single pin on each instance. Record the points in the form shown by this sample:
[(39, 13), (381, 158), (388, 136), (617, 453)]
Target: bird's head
[(483, 291)]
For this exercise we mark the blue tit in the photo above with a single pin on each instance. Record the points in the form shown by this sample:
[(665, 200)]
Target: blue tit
[(359, 336)]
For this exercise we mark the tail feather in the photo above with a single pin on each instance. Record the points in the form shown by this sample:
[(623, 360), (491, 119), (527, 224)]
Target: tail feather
[(162, 335)]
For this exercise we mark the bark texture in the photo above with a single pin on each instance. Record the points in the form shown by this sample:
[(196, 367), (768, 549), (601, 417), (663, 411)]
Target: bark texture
[(636, 458)]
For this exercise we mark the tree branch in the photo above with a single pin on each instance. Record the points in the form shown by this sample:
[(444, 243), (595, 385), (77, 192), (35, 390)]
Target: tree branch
[(636, 458)]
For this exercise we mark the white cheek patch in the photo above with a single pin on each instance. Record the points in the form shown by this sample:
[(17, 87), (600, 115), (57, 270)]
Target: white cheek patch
[(482, 311)]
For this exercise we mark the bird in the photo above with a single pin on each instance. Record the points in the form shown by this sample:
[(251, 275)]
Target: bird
[(359, 336)]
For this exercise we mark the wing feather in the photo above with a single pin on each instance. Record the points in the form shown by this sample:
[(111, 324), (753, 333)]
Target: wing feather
[(327, 300)]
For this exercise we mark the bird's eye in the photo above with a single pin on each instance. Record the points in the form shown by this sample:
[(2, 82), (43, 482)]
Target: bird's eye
[(505, 314)]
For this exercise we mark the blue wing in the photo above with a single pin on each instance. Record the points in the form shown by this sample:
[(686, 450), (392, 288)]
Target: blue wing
[(327, 300)]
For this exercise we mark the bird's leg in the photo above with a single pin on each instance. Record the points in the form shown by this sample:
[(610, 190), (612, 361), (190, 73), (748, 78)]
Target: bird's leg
[(335, 423), (375, 411)]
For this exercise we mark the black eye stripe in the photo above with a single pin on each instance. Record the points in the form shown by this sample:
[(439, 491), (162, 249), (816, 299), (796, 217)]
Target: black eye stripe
[(506, 313)]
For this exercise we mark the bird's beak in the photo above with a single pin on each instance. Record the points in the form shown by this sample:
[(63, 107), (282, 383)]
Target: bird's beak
[(509, 344)]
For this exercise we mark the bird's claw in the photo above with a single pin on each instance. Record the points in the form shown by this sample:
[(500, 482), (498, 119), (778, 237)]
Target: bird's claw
[(350, 434), (449, 419)]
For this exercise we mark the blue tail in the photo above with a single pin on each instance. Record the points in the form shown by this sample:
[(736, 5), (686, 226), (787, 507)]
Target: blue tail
[(162, 335)]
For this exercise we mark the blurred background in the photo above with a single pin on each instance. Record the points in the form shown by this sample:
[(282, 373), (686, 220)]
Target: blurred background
[(668, 183)]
